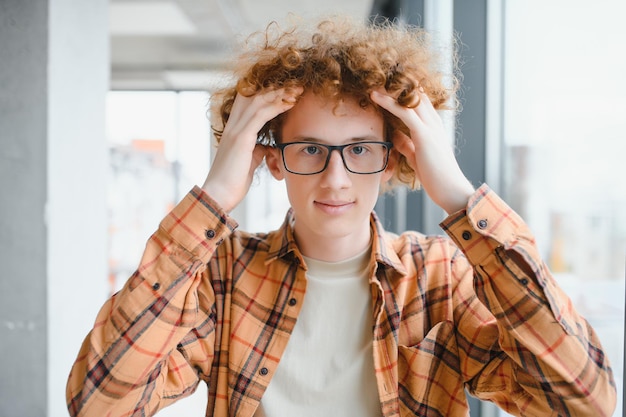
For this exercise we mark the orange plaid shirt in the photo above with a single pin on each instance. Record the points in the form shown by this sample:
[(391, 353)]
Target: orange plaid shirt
[(478, 311)]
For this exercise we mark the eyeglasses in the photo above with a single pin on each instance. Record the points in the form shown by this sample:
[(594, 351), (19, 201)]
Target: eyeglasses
[(308, 158)]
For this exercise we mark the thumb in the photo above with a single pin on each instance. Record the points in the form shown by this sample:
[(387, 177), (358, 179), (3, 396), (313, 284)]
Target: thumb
[(257, 157), (405, 146)]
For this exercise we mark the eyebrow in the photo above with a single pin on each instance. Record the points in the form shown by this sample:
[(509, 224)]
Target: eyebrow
[(369, 138)]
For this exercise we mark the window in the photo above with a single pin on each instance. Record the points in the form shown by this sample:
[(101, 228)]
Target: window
[(564, 140), (159, 144)]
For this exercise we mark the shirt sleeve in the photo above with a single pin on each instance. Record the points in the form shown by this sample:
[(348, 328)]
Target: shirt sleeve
[(530, 352), (129, 363)]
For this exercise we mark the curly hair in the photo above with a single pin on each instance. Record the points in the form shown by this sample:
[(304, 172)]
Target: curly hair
[(337, 58)]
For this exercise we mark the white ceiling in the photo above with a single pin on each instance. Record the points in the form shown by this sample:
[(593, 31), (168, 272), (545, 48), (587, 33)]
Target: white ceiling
[(183, 44)]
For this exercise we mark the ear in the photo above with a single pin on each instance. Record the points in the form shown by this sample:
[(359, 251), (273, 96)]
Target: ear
[(274, 162)]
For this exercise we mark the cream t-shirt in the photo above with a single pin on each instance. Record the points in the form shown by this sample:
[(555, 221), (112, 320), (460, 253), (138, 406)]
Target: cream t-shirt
[(327, 368)]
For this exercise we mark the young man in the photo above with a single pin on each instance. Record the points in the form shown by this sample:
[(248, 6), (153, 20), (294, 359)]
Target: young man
[(330, 314)]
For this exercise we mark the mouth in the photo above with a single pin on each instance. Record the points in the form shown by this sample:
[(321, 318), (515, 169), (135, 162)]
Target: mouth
[(334, 206)]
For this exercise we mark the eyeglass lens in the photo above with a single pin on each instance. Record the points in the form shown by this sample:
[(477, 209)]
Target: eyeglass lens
[(311, 158)]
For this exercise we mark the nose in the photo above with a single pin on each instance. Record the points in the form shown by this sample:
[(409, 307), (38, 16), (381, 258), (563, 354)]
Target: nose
[(335, 175)]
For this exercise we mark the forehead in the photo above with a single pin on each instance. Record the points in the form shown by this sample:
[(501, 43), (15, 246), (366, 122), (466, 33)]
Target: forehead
[(333, 121)]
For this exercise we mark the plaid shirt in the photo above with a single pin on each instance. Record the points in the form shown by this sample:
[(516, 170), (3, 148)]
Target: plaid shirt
[(479, 311)]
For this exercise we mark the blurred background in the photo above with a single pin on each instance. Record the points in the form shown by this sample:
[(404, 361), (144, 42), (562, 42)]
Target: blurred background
[(104, 127)]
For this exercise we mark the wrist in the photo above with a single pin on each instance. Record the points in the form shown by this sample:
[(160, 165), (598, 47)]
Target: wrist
[(221, 196), (458, 200)]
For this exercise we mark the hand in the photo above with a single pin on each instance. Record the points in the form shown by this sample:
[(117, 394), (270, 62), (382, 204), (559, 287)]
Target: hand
[(238, 154), (428, 152)]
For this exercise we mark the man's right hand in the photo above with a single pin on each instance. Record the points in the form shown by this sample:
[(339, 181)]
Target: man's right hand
[(238, 154)]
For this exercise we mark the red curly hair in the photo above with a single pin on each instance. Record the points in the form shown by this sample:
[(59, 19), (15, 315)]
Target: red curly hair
[(338, 58)]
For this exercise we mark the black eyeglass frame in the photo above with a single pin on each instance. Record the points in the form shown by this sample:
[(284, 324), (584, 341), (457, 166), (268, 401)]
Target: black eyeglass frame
[(340, 148)]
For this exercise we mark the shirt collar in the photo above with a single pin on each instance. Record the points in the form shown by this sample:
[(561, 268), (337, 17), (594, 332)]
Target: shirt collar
[(384, 246), (283, 244)]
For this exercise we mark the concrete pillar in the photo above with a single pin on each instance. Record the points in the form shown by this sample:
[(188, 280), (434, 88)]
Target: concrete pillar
[(54, 64)]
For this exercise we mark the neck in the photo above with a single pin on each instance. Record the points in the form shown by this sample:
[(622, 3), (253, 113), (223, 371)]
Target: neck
[(334, 248)]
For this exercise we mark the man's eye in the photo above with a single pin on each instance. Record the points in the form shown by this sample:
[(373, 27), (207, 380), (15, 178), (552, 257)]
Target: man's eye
[(312, 150), (358, 150)]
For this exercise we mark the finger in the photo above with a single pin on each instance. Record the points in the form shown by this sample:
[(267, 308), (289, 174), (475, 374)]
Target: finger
[(405, 146), (425, 109), (278, 101), (257, 156), (407, 115), (250, 114)]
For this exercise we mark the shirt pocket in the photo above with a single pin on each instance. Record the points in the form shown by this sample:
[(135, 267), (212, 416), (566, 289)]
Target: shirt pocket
[(429, 372)]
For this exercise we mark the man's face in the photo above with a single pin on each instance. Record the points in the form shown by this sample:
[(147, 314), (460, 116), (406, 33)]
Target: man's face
[(333, 205)]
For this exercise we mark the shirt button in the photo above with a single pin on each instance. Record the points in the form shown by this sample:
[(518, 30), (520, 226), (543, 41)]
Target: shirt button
[(263, 371), (482, 223), (523, 281), (210, 233), (156, 286), (466, 235), (293, 302)]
